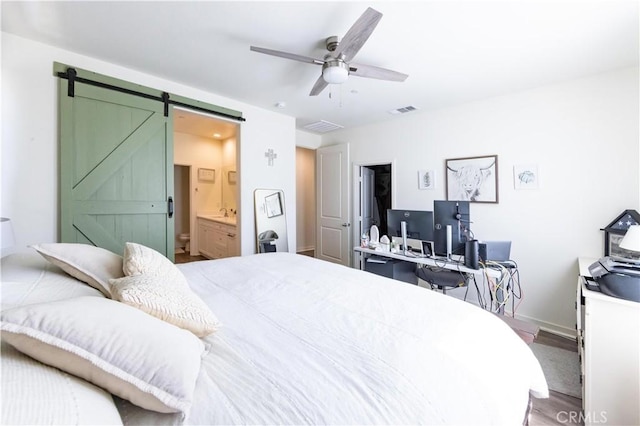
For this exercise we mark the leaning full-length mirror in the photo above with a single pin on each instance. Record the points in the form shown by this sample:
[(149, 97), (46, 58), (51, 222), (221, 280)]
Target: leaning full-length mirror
[(271, 220)]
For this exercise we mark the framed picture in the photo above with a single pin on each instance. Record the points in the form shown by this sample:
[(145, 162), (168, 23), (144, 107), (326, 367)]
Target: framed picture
[(426, 179), (473, 179), (231, 176), (615, 231), (273, 204), (525, 176), (206, 175)]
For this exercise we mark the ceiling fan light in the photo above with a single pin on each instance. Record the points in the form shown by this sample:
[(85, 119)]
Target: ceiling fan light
[(335, 72)]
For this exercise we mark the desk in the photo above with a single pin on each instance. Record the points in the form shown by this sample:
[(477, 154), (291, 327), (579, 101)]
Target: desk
[(427, 261), (486, 274)]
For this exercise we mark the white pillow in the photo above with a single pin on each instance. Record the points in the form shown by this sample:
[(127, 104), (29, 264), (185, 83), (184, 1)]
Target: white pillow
[(157, 287), (90, 264), (37, 394), (121, 349)]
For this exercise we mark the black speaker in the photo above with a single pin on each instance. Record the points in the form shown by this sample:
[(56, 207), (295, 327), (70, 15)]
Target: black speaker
[(482, 252), (471, 251)]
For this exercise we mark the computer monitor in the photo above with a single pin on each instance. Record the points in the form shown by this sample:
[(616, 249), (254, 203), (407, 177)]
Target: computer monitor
[(419, 223), (456, 214)]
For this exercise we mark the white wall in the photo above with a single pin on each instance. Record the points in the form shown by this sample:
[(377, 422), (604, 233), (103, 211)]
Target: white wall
[(30, 144), (200, 152), (584, 136)]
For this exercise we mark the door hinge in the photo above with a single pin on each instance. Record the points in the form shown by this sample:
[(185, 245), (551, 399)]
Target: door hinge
[(170, 207)]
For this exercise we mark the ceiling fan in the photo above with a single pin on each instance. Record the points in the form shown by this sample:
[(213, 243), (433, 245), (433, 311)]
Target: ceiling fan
[(337, 65)]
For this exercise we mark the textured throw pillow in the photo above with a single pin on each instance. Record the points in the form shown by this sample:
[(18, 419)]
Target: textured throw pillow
[(114, 346), (157, 287), (90, 264)]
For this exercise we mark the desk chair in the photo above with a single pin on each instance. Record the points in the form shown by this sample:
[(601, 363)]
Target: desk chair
[(441, 279), (267, 241)]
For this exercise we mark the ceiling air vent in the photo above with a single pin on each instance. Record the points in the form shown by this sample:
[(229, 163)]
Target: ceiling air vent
[(403, 110), (322, 126)]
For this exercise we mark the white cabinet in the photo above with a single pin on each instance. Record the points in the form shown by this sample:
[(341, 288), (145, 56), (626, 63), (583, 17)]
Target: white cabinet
[(216, 240), (609, 345)]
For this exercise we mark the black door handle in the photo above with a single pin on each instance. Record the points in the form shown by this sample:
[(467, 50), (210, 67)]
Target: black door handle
[(170, 207)]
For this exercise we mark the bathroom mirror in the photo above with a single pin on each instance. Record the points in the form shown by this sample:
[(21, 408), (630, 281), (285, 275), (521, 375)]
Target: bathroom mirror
[(271, 221)]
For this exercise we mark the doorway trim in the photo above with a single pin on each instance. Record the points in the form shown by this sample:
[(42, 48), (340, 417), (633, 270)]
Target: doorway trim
[(356, 208)]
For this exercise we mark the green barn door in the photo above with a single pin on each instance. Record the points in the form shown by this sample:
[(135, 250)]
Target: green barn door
[(116, 169)]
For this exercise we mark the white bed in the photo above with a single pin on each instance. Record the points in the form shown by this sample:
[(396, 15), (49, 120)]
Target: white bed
[(302, 341)]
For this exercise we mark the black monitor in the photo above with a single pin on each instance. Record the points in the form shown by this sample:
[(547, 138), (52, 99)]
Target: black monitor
[(419, 223), (456, 214)]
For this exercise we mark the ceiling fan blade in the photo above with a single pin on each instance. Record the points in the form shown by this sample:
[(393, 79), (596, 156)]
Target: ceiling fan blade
[(369, 71), (287, 55), (318, 87), (358, 34)]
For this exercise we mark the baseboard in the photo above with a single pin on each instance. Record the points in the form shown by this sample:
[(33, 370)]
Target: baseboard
[(299, 249), (547, 326)]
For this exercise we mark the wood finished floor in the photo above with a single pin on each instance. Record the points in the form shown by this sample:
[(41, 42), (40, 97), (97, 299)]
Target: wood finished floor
[(544, 411), (547, 411), (186, 258)]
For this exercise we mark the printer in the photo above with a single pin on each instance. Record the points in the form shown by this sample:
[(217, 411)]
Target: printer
[(617, 277)]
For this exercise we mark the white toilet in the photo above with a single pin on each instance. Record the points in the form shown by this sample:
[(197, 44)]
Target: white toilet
[(184, 239)]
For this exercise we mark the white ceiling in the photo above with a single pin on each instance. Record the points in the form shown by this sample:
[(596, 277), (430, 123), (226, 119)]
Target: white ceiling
[(194, 123), (454, 51)]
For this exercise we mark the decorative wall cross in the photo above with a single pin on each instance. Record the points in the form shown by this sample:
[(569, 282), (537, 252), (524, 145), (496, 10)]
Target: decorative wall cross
[(271, 156)]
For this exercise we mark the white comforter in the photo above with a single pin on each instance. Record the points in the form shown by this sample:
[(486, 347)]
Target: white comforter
[(309, 342)]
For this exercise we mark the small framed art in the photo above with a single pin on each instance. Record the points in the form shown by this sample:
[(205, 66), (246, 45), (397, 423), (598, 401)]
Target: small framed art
[(426, 179), (525, 176), (206, 175)]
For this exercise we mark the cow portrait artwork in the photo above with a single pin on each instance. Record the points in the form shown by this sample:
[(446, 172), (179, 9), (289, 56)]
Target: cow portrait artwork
[(473, 179)]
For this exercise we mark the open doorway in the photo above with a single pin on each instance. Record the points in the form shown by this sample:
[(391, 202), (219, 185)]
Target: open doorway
[(305, 201), (182, 200), (373, 196), (206, 184), (376, 196)]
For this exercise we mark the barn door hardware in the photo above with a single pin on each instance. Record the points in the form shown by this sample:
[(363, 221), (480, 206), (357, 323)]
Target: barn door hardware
[(71, 74)]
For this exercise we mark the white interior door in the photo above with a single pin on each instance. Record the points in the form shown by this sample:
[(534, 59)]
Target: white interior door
[(333, 236)]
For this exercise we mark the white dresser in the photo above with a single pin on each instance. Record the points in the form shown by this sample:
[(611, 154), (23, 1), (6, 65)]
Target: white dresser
[(608, 330), (217, 237)]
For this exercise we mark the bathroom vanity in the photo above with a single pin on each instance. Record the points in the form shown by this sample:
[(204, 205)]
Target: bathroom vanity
[(217, 236)]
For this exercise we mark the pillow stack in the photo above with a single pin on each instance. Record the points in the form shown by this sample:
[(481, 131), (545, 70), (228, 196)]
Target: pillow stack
[(145, 349)]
